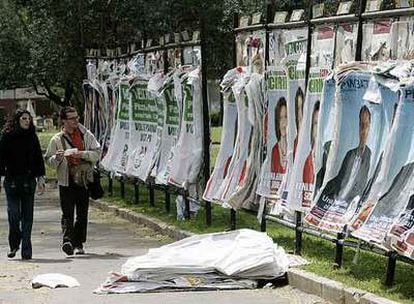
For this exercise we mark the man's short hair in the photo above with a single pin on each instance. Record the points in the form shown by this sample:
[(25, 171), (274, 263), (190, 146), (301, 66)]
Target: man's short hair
[(64, 112)]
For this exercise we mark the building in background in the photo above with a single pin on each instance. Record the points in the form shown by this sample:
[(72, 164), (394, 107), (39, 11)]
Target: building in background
[(27, 98)]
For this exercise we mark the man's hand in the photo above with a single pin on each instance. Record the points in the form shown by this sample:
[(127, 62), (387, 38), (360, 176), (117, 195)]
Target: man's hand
[(59, 155)]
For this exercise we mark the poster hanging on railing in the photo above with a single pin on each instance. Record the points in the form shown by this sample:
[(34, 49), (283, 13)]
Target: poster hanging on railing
[(402, 39), (390, 194), (241, 147), (228, 135), (187, 160), (346, 43), (170, 130), (155, 84), (300, 188), (143, 132), (376, 40), (355, 150), (243, 195), (117, 157), (295, 65), (274, 165)]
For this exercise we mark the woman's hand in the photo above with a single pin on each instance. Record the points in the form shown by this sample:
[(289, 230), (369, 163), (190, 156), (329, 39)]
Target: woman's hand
[(40, 185)]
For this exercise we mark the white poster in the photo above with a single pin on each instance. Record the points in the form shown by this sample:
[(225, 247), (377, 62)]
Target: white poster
[(117, 156), (187, 160), (228, 136), (143, 137)]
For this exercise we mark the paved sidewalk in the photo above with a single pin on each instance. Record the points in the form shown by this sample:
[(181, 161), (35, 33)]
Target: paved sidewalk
[(111, 241)]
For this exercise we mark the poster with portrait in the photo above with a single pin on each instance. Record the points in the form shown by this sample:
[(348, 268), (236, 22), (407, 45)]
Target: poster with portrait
[(391, 191), (143, 137), (117, 156), (238, 163), (187, 160), (228, 135), (273, 168), (171, 128), (243, 195), (295, 64), (346, 42), (376, 40), (302, 179), (354, 155)]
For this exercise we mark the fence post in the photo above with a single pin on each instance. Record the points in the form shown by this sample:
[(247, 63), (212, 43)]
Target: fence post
[(232, 219), (136, 192), (392, 262), (298, 233), (151, 195), (263, 223), (187, 206), (110, 185), (339, 252), (167, 201), (121, 181)]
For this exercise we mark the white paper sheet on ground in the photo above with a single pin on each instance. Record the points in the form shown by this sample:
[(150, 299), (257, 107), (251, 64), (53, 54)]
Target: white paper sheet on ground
[(213, 259), (54, 280)]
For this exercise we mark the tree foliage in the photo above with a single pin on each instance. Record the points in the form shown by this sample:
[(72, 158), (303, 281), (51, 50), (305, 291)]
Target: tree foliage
[(43, 42)]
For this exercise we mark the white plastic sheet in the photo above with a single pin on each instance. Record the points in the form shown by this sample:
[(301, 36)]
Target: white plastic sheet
[(217, 260)]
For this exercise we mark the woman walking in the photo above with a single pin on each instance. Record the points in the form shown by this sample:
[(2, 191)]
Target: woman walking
[(21, 163)]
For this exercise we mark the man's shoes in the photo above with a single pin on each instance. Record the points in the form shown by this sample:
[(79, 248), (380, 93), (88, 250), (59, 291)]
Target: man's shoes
[(26, 257), (12, 253), (79, 251), (67, 248)]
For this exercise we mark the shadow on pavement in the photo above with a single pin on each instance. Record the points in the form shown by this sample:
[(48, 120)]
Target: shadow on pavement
[(105, 256), (44, 261)]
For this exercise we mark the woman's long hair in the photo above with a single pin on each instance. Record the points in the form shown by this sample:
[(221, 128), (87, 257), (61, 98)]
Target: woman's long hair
[(13, 122)]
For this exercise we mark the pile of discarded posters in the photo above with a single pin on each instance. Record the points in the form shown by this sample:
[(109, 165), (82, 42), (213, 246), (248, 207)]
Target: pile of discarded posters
[(228, 260)]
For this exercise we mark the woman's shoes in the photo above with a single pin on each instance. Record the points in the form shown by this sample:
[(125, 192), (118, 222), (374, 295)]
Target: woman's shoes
[(12, 253)]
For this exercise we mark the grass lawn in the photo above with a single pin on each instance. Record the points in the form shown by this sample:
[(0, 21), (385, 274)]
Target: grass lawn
[(44, 138)]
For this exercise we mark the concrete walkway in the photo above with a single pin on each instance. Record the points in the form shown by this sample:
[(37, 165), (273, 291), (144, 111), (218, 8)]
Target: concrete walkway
[(111, 241)]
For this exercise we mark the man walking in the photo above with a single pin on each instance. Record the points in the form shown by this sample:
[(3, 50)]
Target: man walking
[(73, 152)]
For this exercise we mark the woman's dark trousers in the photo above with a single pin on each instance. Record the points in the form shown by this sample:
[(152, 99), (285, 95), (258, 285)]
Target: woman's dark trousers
[(20, 201)]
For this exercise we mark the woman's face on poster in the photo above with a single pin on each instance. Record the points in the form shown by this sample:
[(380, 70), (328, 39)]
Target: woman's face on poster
[(282, 120)]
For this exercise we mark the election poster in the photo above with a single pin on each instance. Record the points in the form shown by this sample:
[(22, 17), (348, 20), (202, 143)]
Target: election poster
[(243, 195), (228, 135), (390, 194), (187, 160), (376, 40), (355, 152), (143, 133), (170, 130), (118, 152)]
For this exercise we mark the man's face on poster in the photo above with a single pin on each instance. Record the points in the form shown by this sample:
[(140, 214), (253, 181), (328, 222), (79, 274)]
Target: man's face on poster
[(364, 125)]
